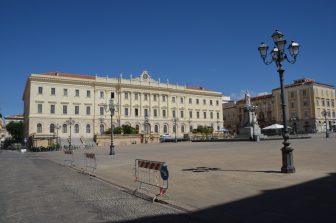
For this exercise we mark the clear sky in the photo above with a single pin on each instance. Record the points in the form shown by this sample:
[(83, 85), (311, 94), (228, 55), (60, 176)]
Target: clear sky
[(202, 43)]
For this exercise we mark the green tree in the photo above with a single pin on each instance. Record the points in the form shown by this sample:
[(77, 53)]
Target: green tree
[(16, 131), (127, 129)]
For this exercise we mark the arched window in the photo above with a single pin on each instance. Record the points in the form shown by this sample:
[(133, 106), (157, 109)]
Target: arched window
[(156, 129), (52, 128), (39, 128), (102, 129), (182, 128), (137, 127), (165, 129), (65, 128), (88, 128), (191, 128), (76, 128)]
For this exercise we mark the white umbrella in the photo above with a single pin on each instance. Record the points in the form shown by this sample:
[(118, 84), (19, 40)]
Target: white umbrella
[(274, 126)]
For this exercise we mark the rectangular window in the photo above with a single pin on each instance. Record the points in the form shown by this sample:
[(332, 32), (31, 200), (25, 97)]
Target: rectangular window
[(182, 114), (174, 114), (101, 110), (65, 109), (88, 110), (164, 113), (77, 93), (304, 92), (146, 112), (204, 115), (305, 103), (146, 97), (40, 90), (181, 100), (317, 102), (155, 112), (101, 94), (217, 102), (164, 98), (154, 97), (173, 99), (305, 113), (197, 101), (292, 94), (136, 96), (323, 103), (65, 92), (112, 95), (39, 108), (52, 109), (126, 95), (217, 115), (53, 91), (76, 110), (190, 100), (332, 103), (88, 94), (328, 103), (197, 115), (292, 104), (210, 102), (126, 111), (190, 114), (211, 115), (204, 102), (136, 112)]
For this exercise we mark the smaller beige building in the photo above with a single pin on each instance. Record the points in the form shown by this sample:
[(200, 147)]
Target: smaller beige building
[(305, 100)]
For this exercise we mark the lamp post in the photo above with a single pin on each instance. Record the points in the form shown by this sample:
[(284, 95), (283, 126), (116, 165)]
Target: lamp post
[(293, 119), (175, 120), (111, 107), (278, 55), (146, 122), (325, 113), (70, 122), (57, 127)]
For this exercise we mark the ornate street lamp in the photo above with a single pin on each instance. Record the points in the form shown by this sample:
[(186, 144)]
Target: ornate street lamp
[(146, 124), (175, 120), (278, 55), (101, 121), (325, 113), (70, 122), (111, 107), (57, 127)]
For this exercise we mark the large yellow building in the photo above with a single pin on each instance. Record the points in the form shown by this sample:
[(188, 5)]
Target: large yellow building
[(305, 101), (50, 99)]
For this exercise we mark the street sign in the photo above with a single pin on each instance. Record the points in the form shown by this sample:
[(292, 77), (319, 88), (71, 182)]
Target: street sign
[(164, 172)]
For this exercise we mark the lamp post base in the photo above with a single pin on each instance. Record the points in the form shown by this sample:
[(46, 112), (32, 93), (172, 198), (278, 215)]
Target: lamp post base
[(112, 152), (287, 160)]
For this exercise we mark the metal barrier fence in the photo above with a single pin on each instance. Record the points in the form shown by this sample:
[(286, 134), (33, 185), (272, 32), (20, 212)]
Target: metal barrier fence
[(153, 174), (68, 157), (90, 162)]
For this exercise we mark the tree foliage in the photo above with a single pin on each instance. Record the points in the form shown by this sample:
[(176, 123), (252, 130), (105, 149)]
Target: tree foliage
[(16, 131), (203, 129), (125, 129)]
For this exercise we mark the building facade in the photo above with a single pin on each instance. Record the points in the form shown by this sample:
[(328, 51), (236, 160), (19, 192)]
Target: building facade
[(305, 101), (50, 99)]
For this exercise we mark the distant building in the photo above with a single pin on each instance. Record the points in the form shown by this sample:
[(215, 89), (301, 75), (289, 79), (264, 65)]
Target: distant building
[(50, 99), (14, 118), (305, 101)]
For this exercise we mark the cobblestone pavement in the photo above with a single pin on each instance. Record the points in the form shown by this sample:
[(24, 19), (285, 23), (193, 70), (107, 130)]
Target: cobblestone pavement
[(33, 189)]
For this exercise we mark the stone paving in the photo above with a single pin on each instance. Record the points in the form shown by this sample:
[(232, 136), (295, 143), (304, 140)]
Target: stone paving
[(230, 171)]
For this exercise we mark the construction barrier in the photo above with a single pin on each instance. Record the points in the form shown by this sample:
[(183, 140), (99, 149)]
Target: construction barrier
[(152, 174), (68, 157), (90, 162)]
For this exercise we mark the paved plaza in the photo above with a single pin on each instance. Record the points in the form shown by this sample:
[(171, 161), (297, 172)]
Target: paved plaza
[(231, 172)]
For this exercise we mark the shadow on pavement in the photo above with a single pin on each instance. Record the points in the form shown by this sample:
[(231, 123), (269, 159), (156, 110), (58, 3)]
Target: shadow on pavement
[(207, 169), (313, 201)]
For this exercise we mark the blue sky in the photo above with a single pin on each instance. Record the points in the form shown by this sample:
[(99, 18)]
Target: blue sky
[(202, 43)]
